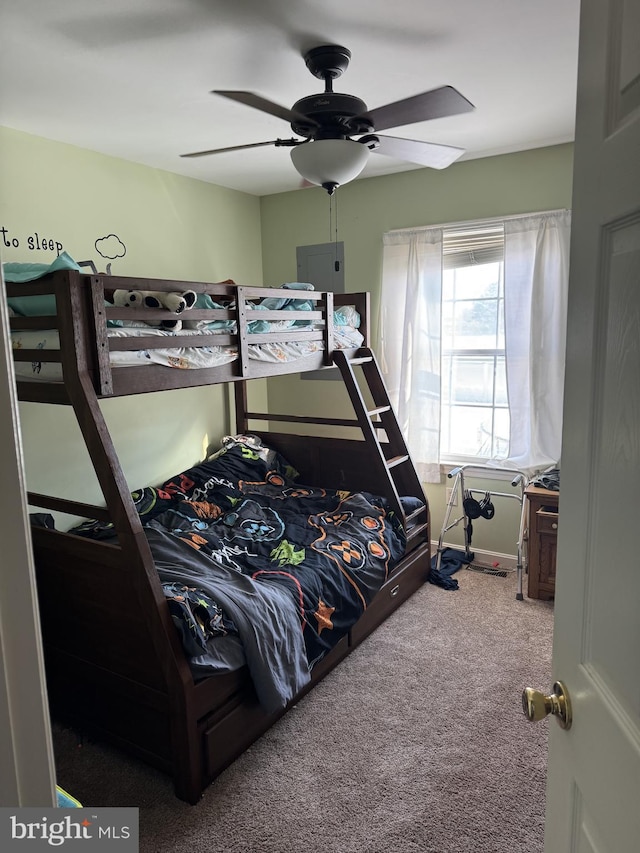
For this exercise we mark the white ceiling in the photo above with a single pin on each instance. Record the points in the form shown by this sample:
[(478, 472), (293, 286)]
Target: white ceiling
[(132, 78)]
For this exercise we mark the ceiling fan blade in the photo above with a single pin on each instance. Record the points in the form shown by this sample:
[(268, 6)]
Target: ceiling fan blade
[(438, 103), (414, 151), (231, 148), (265, 106)]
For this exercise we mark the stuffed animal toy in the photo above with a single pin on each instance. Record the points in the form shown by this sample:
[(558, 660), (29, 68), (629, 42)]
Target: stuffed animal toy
[(172, 301)]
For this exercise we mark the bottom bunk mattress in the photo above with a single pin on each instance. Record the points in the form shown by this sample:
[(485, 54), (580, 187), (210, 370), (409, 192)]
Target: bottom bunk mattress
[(260, 570)]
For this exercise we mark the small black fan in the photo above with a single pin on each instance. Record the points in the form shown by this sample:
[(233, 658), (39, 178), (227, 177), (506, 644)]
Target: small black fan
[(333, 119)]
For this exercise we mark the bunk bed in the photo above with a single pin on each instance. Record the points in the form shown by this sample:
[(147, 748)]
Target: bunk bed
[(117, 666)]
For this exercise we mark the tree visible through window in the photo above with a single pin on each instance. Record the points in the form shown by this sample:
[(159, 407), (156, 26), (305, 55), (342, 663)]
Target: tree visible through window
[(474, 419)]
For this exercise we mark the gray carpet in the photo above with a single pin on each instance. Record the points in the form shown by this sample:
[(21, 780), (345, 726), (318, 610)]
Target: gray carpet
[(416, 742)]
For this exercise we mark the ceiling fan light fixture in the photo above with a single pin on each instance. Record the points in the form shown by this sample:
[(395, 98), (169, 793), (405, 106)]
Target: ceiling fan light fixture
[(329, 163)]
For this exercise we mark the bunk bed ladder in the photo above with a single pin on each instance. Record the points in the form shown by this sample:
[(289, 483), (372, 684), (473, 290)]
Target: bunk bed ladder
[(378, 421)]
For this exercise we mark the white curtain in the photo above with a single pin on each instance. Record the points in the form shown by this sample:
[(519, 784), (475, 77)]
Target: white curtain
[(536, 276), (536, 281), (410, 340)]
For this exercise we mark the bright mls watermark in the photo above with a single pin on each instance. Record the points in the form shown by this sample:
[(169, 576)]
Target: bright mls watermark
[(69, 829)]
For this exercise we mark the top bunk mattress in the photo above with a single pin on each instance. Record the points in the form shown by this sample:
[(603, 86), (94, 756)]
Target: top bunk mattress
[(345, 336)]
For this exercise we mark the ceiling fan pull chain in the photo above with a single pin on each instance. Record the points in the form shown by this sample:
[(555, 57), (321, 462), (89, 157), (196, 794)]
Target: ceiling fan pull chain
[(336, 263), (333, 229)]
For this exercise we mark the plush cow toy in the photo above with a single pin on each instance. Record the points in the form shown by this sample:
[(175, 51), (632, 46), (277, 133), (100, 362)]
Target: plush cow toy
[(172, 301)]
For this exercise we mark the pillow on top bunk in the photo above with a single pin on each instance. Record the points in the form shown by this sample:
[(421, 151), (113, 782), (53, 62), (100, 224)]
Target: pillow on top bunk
[(204, 300), (268, 303), (35, 306), (346, 315)]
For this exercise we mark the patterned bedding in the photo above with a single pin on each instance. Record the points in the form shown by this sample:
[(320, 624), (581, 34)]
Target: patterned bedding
[(184, 358), (262, 570)]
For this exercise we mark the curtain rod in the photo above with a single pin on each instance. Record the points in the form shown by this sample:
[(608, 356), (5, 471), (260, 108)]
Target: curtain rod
[(490, 220)]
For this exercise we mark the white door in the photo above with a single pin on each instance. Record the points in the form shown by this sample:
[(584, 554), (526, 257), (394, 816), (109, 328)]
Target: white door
[(27, 774), (593, 794)]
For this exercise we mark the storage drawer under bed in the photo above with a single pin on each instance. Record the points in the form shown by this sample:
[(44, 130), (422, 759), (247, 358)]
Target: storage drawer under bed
[(408, 577), (240, 721)]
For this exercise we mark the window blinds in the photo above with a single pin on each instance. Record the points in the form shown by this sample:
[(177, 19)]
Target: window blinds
[(470, 246)]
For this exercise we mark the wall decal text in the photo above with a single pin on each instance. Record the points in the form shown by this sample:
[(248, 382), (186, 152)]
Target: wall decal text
[(35, 242)]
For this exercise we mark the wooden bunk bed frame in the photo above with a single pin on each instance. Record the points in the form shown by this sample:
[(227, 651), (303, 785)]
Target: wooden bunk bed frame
[(115, 664)]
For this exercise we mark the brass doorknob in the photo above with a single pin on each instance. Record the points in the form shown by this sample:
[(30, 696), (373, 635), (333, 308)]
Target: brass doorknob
[(536, 706)]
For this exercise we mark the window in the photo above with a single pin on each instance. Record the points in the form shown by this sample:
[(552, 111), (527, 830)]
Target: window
[(474, 408), (468, 311)]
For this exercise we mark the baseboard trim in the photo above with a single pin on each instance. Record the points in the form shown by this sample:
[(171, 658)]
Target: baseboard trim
[(508, 562)]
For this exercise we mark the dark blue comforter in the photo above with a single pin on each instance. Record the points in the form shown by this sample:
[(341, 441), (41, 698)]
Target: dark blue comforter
[(292, 567)]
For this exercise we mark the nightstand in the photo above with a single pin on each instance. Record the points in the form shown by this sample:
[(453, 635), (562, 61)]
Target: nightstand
[(543, 535)]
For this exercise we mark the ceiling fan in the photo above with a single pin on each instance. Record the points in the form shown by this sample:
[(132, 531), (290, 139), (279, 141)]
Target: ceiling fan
[(327, 154)]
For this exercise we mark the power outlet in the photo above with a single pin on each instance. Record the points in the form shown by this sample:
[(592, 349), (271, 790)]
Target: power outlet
[(452, 492)]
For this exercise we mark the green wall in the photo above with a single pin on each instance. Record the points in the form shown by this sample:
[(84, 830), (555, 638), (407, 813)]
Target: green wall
[(539, 179), (534, 180), (171, 227), (176, 227)]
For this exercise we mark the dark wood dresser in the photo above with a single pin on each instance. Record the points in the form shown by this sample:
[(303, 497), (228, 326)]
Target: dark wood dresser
[(543, 535)]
